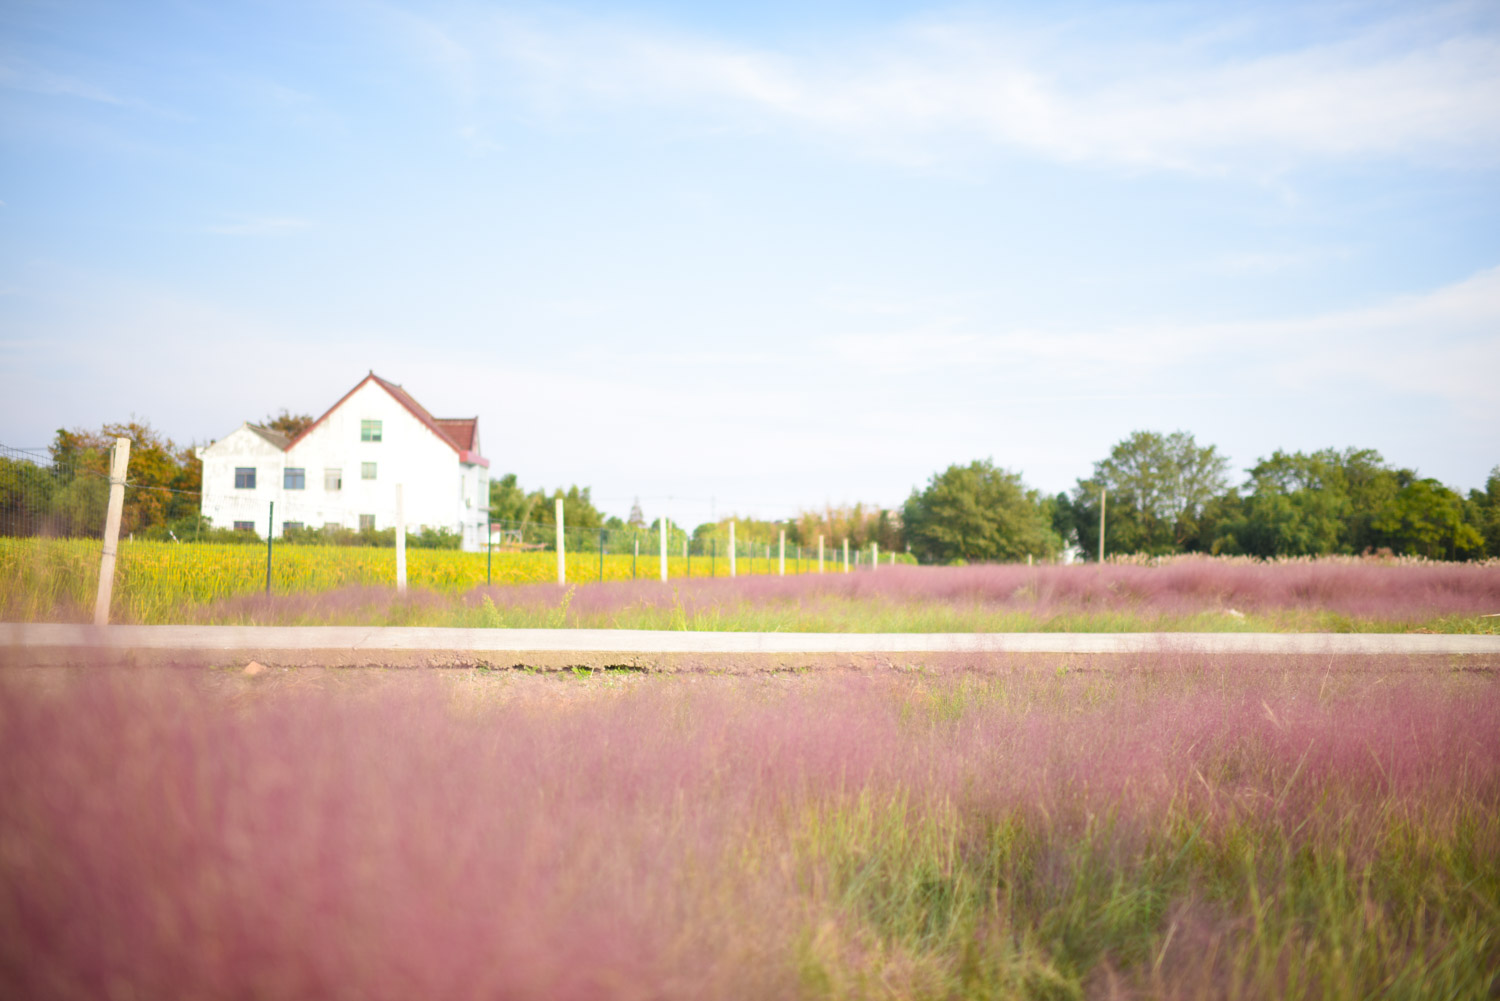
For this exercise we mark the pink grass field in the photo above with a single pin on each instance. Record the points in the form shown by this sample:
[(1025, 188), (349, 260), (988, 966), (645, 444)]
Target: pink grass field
[(1331, 593), (1005, 827)]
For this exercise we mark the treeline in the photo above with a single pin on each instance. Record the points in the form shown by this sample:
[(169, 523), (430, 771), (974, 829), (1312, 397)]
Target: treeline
[(1168, 494), (1164, 494)]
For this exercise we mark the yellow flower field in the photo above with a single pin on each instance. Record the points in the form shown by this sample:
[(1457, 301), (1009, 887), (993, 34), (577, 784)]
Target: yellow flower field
[(56, 579)]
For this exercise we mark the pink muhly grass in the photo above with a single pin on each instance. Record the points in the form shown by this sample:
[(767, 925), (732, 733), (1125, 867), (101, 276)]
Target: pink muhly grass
[(462, 834)]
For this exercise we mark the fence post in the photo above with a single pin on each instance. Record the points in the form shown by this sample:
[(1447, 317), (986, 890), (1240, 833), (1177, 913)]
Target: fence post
[(400, 541), (874, 555), (713, 558), (781, 553), (846, 554), (731, 547), (601, 554), (663, 524), (562, 566), (636, 556), (270, 531), (489, 550), (118, 463)]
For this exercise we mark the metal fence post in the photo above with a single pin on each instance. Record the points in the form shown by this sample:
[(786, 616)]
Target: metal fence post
[(601, 554), (731, 547), (663, 524), (781, 554), (118, 463), (636, 556), (489, 552)]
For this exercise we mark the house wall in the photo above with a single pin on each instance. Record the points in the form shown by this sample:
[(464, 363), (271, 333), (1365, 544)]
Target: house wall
[(222, 503), (440, 491)]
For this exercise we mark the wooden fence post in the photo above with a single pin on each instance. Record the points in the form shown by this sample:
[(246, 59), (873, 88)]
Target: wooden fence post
[(118, 463), (562, 560), (400, 541)]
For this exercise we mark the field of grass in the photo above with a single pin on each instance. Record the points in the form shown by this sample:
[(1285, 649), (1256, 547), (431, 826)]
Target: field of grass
[(311, 585), (1014, 828), (1200, 596)]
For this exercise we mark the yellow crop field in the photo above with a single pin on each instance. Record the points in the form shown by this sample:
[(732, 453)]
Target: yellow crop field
[(56, 579)]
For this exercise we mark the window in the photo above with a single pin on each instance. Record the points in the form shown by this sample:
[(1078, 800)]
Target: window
[(367, 523), (333, 479), (369, 430), (331, 526), (293, 478), (367, 470), (244, 477), (244, 526), (290, 526)]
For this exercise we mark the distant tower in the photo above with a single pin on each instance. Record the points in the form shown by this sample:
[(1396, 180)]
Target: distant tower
[(637, 519)]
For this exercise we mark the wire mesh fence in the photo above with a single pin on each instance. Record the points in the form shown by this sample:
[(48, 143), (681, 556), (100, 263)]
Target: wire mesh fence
[(171, 559)]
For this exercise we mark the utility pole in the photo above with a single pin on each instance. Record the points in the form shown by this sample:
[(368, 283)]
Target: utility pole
[(1103, 497)]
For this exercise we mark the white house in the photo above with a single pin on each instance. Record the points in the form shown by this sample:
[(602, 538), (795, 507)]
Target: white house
[(343, 470)]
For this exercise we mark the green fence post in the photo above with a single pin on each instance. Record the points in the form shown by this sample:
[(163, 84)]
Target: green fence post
[(713, 560), (489, 552), (601, 554)]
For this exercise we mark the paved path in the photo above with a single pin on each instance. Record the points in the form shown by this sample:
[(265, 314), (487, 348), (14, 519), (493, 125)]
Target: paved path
[(231, 639)]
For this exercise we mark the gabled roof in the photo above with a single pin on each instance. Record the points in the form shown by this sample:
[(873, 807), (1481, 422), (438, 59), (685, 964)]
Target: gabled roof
[(401, 396), (275, 438)]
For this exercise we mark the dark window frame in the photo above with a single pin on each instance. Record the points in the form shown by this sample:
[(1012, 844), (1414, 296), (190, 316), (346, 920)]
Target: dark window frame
[(244, 477)]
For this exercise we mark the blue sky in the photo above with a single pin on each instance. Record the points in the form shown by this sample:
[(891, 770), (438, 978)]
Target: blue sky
[(762, 259)]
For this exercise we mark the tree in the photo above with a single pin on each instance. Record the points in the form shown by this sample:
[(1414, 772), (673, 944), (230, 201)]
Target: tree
[(165, 481), (508, 502), (1158, 489), (288, 423), (1483, 512), (1427, 519), (977, 512)]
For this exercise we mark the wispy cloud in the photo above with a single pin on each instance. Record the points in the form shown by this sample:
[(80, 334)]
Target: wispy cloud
[(1423, 89), (261, 226), (20, 75), (1440, 343)]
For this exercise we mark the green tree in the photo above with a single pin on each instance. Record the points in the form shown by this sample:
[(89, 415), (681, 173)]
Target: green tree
[(1159, 486), (977, 513), (1426, 518), (1483, 513), (508, 502)]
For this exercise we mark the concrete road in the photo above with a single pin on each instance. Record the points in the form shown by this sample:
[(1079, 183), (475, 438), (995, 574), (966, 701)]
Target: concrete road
[(502, 643)]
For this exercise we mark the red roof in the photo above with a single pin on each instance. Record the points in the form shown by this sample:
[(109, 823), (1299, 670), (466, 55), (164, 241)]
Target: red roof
[(460, 430), (457, 433)]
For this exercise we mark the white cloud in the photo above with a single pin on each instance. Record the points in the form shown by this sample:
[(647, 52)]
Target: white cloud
[(1444, 343), (1425, 90)]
